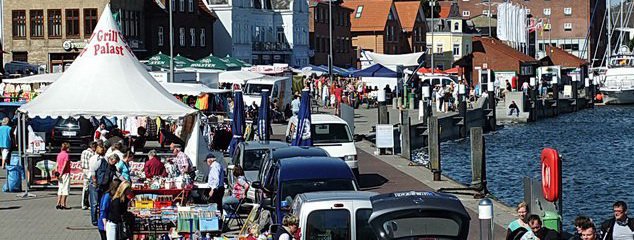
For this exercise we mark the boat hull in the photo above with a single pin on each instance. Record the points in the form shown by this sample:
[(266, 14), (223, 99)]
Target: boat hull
[(618, 97)]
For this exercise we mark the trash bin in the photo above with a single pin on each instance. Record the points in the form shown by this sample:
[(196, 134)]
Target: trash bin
[(552, 220)]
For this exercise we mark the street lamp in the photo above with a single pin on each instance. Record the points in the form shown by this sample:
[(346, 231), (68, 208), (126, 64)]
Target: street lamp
[(330, 39), (171, 10), (432, 4)]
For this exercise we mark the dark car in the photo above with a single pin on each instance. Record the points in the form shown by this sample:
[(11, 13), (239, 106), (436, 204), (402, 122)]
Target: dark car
[(305, 174), (77, 132)]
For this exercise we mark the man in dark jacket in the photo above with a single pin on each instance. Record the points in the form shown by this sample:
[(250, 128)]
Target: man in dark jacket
[(106, 172), (619, 227)]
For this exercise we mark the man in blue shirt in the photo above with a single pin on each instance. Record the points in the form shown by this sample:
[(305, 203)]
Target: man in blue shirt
[(5, 140), (216, 181)]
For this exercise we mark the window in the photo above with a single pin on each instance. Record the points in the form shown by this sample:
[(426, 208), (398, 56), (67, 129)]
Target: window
[(466, 13), (90, 20), (567, 27), (181, 36), (439, 48), (37, 23), (192, 35), (19, 23), (54, 23), (202, 37), (181, 5), (466, 49), (160, 36), (528, 11), (364, 230), (485, 12), (456, 26), (72, 22), (359, 10), (329, 224), (567, 11), (547, 11), (456, 49), (173, 6), (430, 48), (191, 5)]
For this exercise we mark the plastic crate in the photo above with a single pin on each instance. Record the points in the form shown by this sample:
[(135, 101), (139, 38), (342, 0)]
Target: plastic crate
[(209, 224), (187, 224)]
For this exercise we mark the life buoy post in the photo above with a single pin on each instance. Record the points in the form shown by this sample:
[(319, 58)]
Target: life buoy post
[(552, 185)]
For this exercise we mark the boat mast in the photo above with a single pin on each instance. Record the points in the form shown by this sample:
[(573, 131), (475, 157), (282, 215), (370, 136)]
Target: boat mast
[(609, 52)]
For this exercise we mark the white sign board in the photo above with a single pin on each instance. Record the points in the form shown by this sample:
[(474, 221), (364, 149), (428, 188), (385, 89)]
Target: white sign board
[(568, 90), (384, 136)]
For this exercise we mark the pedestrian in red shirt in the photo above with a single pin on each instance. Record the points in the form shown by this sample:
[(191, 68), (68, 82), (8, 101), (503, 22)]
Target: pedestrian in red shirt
[(154, 167), (63, 176)]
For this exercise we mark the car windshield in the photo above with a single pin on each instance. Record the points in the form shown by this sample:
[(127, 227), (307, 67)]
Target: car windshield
[(252, 159), (291, 188), (329, 224), (252, 88), (330, 133)]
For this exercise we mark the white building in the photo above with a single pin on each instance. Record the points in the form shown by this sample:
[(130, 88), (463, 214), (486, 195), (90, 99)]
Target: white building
[(262, 31)]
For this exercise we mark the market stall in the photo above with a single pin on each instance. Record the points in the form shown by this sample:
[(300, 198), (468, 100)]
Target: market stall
[(199, 96), (106, 80), (26, 88), (230, 78)]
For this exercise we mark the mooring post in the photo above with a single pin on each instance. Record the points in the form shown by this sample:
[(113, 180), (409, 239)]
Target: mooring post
[(555, 84), (405, 135), (383, 114), (426, 102), (575, 94), (462, 109), (434, 147), (478, 159), (491, 100), (533, 92)]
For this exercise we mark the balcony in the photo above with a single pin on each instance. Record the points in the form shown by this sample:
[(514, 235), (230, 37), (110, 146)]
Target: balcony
[(270, 47)]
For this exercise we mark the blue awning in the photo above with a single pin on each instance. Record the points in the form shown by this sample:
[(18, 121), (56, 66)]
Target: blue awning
[(376, 70)]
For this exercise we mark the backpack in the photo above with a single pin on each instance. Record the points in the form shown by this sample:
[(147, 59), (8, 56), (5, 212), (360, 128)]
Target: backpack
[(104, 174)]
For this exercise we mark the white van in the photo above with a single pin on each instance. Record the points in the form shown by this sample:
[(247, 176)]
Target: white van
[(439, 80), (332, 134), (334, 215), (279, 87)]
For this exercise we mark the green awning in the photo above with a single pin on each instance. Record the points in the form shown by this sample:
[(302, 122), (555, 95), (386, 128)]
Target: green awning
[(182, 62), (237, 61), (213, 62), (159, 60)]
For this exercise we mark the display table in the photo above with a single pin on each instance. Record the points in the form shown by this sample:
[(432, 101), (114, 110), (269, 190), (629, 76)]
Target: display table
[(178, 194)]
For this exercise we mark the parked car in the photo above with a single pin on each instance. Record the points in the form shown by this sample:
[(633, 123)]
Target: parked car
[(439, 80), (334, 215), (250, 156), (418, 215), (332, 134), (270, 165), (305, 174), (77, 132)]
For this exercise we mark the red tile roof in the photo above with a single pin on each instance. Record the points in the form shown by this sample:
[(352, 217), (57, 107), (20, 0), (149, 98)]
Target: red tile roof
[(560, 57), (497, 45), (445, 6), (373, 16), (407, 12)]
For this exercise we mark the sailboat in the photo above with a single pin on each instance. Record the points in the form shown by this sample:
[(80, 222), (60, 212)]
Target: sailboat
[(618, 82)]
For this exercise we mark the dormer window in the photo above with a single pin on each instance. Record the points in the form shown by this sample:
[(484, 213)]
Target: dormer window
[(359, 10), (456, 26)]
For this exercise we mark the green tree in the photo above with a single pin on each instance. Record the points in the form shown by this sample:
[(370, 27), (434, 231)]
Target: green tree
[(427, 8)]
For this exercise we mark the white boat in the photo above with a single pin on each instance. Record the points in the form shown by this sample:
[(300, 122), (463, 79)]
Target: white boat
[(618, 85)]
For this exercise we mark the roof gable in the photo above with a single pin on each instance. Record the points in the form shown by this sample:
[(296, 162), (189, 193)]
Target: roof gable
[(408, 13), (499, 46), (372, 14), (560, 57)]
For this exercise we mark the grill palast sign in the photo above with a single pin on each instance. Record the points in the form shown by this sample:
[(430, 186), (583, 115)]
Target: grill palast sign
[(108, 42)]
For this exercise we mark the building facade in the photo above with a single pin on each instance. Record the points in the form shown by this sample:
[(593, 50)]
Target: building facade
[(52, 33), (450, 41), (193, 29), (376, 26), (573, 25), (413, 22), (262, 31), (343, 54)]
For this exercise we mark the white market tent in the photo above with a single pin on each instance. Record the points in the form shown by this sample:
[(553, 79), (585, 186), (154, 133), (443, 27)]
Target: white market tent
[(39, 78), (192, 89), (106, 79), (238, 77), (391, 60)]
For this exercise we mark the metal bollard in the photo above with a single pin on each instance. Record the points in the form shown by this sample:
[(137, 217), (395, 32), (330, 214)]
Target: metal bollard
[(485, 214)]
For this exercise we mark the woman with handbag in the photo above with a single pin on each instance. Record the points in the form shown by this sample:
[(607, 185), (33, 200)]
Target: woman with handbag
[(115, 226), (63, 176)]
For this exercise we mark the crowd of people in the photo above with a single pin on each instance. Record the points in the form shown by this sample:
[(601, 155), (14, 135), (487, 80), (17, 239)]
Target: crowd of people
[(530, 227)]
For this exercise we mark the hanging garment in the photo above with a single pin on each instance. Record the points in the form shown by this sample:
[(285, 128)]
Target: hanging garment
[(202, 103)]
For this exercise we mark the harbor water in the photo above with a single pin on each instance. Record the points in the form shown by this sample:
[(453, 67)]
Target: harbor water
[(597, 146)]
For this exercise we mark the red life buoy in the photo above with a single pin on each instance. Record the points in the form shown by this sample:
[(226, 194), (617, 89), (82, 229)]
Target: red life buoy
[(551, 180)]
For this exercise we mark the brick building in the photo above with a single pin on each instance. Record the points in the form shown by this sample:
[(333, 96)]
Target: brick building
[(318, 23), (51, 33), (376, 26), (568, 23), (412, 18)]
